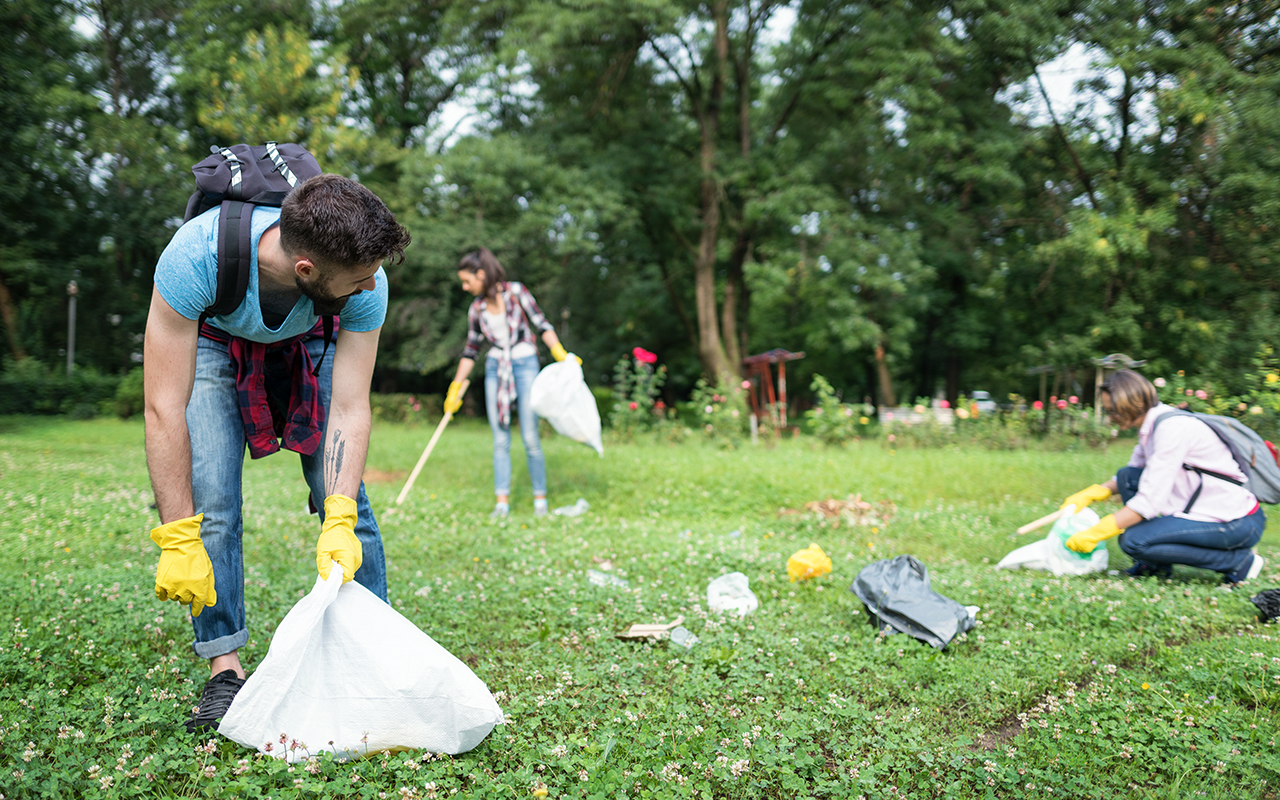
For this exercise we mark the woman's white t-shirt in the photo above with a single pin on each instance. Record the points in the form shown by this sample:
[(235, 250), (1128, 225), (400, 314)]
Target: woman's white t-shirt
[(502, 334)]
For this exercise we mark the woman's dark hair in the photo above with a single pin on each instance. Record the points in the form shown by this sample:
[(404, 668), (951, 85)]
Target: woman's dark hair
[(484, 259), (340, 224), (1132, 396)]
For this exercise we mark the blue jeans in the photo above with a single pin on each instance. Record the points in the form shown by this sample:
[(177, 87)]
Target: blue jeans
[(1218, 546), (217, 459), (525, 369)]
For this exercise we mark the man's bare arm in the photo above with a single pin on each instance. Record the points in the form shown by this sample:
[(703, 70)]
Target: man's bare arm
[(169, 368), (347, 432)]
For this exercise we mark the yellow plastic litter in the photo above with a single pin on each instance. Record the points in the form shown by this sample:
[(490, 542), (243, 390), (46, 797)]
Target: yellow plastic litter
[(810, 562)]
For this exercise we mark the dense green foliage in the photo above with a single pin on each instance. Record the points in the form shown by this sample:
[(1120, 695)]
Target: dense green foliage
[(881, 185), (1092, 687)]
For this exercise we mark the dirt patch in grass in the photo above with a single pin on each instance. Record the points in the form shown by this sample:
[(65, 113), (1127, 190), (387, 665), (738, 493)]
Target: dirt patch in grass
[(381, 476)]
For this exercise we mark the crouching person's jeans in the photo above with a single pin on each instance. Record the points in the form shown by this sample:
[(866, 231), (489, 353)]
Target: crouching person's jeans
[(217, 458), (1218, 546)]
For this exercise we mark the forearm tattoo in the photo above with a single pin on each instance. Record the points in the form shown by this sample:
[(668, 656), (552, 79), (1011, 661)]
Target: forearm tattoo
[(333, 456)]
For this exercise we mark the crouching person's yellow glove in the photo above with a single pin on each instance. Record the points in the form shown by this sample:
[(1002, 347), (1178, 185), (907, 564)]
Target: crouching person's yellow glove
[(1084, 497), (560, 354), (1086, 540), (185, 572), (338, 543)]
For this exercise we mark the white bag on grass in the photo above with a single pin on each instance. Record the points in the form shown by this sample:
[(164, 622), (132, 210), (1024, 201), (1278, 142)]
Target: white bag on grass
[(348, 674), (561, 397), (1052, 554), (732, 592)]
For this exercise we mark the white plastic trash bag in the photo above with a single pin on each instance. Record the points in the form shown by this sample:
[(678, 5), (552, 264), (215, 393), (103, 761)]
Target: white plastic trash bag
[(348, 674), (561, 397), (1052, 554), (732, 593)]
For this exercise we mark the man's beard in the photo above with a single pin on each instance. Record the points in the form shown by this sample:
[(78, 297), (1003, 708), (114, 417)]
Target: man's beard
[(325, 304)]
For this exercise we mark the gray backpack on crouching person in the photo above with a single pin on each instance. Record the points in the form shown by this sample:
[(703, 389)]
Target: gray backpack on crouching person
[(1257, 458)]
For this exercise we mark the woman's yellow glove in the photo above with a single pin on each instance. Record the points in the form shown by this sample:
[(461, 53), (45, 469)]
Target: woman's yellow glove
[(560, 354), (1087, 540), (1084, 497), (453, 400), (338, 542), (185, 572)]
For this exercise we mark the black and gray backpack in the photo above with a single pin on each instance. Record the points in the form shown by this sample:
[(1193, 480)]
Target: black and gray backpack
[(1256, 457), (236, 179)]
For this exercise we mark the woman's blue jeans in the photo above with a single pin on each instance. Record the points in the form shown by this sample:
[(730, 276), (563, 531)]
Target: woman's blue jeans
[(525, 369), (1218, 546), (217, 459)]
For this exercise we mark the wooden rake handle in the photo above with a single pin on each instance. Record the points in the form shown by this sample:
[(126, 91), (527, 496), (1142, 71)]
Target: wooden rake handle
[(435, 437), (1040, 523)]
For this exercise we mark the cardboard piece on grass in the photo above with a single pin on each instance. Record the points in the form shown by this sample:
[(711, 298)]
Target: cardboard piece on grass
[(655, 632), (899, 598), (348, 674)]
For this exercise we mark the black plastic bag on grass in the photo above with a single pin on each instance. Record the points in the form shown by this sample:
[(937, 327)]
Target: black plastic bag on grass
[(1268, 603), (899, 599)]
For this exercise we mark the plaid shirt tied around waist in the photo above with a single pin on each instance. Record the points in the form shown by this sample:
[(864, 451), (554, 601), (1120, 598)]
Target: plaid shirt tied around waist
[(297, 419), (523, 315)]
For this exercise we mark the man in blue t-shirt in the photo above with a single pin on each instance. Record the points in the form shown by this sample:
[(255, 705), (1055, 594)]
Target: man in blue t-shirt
[(252, 376)]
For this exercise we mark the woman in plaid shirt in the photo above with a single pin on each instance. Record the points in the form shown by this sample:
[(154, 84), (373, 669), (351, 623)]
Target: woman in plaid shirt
[(505, 315)]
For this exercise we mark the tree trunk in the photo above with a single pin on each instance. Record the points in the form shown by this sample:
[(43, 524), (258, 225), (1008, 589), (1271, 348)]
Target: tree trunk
[(886, 383), (710, 346), (10, 315)]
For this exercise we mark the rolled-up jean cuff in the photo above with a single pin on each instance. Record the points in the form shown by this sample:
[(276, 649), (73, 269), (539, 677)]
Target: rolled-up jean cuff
[(499, 492), (222, 645)]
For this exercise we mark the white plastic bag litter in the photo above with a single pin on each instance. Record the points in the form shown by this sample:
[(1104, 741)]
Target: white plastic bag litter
[(1052, 554), (732, 593), (348, 674), (561, 397)]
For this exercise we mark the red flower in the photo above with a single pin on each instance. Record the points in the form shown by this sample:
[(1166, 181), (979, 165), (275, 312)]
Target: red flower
[(634, 405), (644, 356), (660, 405), (1037, 405), (1062, 404)]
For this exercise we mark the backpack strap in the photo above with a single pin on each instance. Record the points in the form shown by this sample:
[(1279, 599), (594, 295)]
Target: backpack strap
[(234, 249), (327, 321), (1201, 472)]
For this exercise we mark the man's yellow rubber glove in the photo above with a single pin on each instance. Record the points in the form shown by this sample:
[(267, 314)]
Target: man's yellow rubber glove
[(338, 542), (453, 400), (1084, 497), (185, 572), (1087, 540), (560, 354)]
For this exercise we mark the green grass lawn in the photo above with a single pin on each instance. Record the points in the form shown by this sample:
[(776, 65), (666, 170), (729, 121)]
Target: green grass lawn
[(1099, 686)]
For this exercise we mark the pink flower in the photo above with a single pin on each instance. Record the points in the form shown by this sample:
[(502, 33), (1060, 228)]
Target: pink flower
[(633, 405), (1202, 394), (1159, 382), (1037, 405), (644, 356), (1053, 399), (417, 407), (943, 404), (892, 437), (746, 384), (1190, 393), (1062, 404), (1073, 400)]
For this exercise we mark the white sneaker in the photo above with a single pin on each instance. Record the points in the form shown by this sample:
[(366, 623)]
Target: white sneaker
[(1255, 569)]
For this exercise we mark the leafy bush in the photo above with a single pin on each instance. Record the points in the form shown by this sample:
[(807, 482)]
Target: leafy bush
[(722, 413), (833, 421), (129, 398), (406, 408), (637, 386), (31, 387)]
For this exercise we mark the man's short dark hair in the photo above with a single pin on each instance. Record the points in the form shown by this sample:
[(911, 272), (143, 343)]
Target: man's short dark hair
[(337, 222)]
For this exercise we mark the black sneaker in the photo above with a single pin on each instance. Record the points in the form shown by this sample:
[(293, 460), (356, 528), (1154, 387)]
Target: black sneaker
[(1142, 569), (214, 701)]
